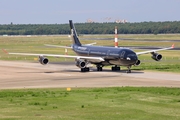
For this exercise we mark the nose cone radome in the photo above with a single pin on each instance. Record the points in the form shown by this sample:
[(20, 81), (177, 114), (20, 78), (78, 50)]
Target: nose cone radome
[(131, 56), (128, 57)]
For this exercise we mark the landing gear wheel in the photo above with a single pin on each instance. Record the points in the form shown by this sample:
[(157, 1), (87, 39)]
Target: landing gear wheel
[(129, 69), (82, 70), (99, 68), (115, 68), (86, 69)]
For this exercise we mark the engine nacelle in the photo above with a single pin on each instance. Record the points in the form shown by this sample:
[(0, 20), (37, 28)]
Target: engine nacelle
[(80, 63), (156, 56), (43, 60), (138, 62)]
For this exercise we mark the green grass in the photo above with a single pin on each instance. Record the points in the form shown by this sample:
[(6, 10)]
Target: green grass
[(159, 67), (169, 63), (137, 103), (152, 36), (138, 36), (35, 44)]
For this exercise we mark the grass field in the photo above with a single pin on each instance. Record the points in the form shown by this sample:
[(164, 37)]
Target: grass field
[(125, 103), (35, 44)]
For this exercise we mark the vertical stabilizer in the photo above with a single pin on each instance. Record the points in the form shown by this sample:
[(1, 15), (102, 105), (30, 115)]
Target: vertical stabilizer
[(74, 34)]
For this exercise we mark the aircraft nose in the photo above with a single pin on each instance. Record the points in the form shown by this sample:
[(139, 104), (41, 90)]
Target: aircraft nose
[(131, 57)]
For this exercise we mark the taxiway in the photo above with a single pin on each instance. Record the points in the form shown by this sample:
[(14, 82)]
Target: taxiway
[(34, 75)]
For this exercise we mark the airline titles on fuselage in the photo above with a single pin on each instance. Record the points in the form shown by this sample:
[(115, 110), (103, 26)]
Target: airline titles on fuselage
[(95, 52)]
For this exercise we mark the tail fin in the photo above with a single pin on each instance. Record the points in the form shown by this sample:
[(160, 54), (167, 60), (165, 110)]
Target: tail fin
[(74, 34)]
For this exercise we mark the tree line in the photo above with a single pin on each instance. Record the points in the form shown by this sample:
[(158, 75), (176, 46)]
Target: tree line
[(92, 28)]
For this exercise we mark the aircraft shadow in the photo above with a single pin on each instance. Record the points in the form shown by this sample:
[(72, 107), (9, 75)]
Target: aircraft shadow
[(137, 71), (121, 71), (94, 70)]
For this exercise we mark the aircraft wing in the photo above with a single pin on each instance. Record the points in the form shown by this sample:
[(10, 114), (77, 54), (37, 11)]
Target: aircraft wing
[(95, 59), (91, 44), (68, 47), (58, 46), (153, 51)]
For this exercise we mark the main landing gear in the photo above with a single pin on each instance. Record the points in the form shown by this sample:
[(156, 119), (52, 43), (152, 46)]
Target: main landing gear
[(99, 68), (86, 69), (116, 68)]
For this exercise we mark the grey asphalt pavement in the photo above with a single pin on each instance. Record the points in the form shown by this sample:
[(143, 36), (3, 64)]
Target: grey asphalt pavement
[(34, 75)]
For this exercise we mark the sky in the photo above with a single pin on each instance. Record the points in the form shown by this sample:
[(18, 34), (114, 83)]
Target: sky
[(61, 11)]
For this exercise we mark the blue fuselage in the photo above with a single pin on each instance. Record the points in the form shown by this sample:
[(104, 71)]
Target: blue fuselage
[(111, 55)]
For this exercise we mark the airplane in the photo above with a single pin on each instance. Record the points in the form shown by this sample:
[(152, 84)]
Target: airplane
[(98, 55)]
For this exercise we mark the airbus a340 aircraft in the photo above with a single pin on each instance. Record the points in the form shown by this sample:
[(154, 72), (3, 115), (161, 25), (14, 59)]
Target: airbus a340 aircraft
[(99, 55)]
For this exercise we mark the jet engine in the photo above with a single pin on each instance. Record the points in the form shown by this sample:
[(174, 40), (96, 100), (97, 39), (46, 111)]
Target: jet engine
[(80, 63), (43, 60), (138, 62), (156, 56)]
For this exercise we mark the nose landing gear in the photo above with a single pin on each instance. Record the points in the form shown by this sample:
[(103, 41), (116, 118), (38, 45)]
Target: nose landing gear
[(129, 69)]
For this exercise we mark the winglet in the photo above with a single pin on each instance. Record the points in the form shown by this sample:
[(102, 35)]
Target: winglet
[(172, 46), (5, 51)]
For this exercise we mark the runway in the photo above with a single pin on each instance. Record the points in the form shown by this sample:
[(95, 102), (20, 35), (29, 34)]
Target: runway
[(34, 75)]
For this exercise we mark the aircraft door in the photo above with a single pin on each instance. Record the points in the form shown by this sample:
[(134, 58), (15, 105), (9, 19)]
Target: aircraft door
[(108, 52), (122, 55), (89, 52)]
